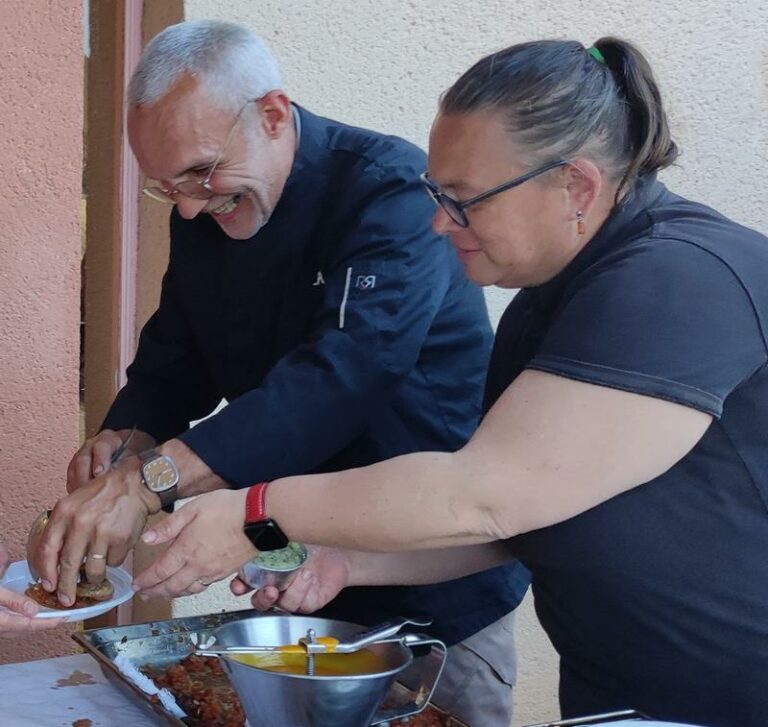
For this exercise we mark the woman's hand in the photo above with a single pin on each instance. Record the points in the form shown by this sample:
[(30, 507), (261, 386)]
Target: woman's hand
[(17, 611), (318, 582), (329, 570), (208, 545)]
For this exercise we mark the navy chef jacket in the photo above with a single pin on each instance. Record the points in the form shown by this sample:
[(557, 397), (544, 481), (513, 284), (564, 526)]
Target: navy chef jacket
[(657, 599), (343, 333)]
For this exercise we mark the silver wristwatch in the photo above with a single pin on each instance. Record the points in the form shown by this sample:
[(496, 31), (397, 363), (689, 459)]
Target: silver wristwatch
[(160, 475)]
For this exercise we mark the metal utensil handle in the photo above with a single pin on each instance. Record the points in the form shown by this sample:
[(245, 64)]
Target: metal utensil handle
[(229, 650), (423, 694), (595, 719), (123, 446), (384, 632), (380, 632)]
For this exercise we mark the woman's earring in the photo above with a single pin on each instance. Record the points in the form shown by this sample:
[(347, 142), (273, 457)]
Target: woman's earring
[(579, 222)]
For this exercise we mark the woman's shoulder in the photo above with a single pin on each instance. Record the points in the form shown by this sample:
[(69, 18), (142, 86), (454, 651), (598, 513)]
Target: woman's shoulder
[(692, 242)]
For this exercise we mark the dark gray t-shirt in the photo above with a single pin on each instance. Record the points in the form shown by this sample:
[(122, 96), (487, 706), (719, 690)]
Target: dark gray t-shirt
[(658, 598)]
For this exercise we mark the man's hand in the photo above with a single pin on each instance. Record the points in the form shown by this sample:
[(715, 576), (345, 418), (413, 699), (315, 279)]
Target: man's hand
[(318, 582), (21, 609), (102, 520), (208, 545), (94, 458)]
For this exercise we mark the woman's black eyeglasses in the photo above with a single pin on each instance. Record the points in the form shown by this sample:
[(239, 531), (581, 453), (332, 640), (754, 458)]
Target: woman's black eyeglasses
[(455, 209)]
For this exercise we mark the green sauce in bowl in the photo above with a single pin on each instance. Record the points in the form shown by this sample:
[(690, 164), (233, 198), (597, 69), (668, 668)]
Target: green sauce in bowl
[(274, 567), (285, 559)]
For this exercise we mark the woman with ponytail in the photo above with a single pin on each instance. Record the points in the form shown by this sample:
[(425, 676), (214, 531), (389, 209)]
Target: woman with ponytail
[(623, 455)]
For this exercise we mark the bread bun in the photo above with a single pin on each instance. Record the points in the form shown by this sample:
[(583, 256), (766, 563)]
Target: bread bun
[(95, 591)]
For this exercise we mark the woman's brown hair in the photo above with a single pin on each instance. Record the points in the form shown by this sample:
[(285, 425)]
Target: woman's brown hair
[(558, 100)]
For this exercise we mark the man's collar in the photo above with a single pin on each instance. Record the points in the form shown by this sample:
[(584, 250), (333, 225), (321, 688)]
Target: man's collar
[(311, 146), (296, 124)]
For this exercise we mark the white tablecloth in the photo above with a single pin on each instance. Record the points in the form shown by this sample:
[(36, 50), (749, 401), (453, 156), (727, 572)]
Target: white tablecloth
[(45, 694)]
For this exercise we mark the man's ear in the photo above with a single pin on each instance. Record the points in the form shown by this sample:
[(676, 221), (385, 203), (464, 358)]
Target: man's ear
[(276, 113), (584, 182)]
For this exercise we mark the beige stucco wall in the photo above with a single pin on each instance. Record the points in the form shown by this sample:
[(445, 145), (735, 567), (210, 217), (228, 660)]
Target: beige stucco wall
[(382, 63), (41, 81)]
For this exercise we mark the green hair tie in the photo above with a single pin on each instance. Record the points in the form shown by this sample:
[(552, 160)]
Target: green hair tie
[(596, 54)]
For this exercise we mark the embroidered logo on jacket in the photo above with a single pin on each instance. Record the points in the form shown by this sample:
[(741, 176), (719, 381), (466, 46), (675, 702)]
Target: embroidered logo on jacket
[(320, 280), (365, 282)]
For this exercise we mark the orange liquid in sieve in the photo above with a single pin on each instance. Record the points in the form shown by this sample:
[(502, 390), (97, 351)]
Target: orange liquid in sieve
[(326, 665)]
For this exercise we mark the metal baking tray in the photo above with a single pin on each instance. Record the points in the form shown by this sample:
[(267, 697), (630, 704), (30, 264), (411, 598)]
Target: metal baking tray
[(159, 644)]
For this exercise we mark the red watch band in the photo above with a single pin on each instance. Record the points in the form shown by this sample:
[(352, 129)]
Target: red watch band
[(256, 503)]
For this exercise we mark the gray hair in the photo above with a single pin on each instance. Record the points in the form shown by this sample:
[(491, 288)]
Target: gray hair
[(232, 64), (559, 99)]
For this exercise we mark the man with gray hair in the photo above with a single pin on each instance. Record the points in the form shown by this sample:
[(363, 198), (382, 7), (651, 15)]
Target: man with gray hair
[(306, 287)]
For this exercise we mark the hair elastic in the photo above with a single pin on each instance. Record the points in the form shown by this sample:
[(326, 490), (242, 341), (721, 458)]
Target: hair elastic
[(596, 54)]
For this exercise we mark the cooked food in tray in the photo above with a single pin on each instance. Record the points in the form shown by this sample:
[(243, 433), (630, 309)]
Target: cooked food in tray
[(202, 690)]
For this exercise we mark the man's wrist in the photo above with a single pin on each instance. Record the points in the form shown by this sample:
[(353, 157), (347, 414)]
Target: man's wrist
[(191, 472), (195, 476), (149, 499)]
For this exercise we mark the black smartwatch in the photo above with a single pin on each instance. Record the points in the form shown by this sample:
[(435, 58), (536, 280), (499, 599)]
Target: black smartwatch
[(263, 532), (265, 535)]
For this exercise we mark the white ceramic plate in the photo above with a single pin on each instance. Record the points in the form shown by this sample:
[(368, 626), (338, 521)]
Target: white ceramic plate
[(17, 578)]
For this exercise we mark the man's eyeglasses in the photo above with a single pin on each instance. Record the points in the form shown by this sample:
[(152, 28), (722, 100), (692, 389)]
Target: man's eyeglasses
[(455, 209), (195, 188)]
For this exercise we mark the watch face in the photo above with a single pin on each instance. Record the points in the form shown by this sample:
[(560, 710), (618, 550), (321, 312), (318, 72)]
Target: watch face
[(266, 535), (160, 474)]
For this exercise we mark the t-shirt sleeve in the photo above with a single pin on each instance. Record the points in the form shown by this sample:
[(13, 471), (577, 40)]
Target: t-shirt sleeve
[(668, 320)]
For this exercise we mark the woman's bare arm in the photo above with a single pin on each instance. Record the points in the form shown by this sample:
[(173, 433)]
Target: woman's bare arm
[(549, 449)]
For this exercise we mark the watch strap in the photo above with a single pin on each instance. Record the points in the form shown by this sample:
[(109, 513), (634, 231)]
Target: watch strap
[(148, 454), (256, 503), (167, 498)]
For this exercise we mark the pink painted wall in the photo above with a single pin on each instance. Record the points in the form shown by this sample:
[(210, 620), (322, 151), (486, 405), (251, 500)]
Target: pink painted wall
[(41, 126)]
